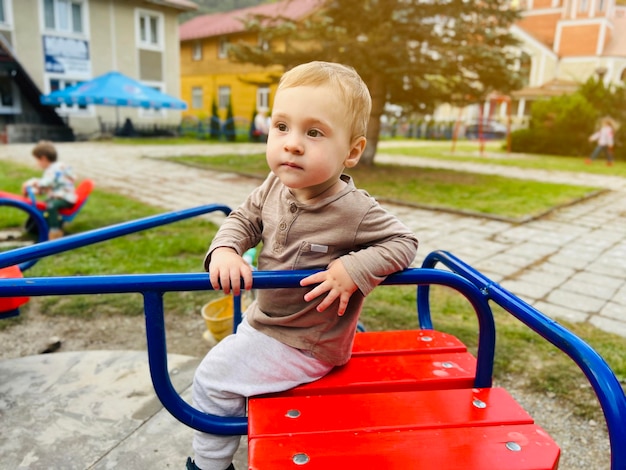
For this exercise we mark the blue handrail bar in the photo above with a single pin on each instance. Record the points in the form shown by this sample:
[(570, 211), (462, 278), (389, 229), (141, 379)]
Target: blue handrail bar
[(153, 286), (39, 220), (33, 253), (603, 380)]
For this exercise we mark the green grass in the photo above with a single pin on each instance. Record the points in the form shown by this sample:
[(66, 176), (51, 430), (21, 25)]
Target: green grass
[(471, 192), (495, 154), (177, 247)]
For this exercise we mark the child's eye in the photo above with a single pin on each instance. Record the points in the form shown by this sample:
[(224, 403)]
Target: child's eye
[(314, 133), (281, 127)]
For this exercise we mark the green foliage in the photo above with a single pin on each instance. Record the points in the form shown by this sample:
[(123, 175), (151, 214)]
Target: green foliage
[(206, 7), (413, 54), (215, 127), (562, 125), (229, 125)]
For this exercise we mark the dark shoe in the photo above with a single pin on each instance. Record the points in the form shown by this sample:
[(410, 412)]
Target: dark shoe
[(192, 466)]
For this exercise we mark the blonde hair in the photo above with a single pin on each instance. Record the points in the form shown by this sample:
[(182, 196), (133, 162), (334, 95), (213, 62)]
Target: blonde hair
[(46, 149), (345, 79)]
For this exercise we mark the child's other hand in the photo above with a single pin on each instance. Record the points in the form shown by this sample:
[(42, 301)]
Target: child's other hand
[(336, 282), (227, 269)]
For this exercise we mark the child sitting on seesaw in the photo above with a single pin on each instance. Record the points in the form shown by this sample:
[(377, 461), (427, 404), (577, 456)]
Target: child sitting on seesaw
[(56, 184)]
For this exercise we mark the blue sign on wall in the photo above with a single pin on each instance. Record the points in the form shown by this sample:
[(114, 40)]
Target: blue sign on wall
[(67, 56)]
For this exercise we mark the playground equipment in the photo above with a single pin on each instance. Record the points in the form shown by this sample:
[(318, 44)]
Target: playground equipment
[(34, 208), (407, 399)]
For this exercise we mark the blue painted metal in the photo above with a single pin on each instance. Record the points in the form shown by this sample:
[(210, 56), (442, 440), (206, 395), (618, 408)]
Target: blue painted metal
[(40, 222), (604, 382), (152, 286), (41, 250)]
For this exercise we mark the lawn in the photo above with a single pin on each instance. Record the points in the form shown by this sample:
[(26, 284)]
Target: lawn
[(498, 196), (495, 154)]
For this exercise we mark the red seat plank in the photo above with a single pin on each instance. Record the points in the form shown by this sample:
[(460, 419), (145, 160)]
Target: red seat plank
[(383, 411), (513, 447), (410, 341), (395, 372)]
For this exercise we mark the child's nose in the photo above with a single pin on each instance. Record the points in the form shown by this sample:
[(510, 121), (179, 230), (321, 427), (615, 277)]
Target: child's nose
[(293, 144)]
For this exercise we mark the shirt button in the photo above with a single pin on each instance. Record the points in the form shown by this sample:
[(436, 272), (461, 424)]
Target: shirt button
[(282, 226), (293, 208)]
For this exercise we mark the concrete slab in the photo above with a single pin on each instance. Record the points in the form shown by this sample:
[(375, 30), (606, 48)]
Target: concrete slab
[(95, 409)]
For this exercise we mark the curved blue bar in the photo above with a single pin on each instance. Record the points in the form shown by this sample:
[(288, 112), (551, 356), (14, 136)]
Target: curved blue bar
[(71, 242), (604, 382), (152, 286), (40, 221)]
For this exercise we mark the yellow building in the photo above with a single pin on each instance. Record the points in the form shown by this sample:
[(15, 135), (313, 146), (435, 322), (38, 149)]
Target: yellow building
[(208, 76)]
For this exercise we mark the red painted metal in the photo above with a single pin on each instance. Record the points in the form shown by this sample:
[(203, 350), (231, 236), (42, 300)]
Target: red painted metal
[(8, 304), (395, 372), (405, 400), (41, 205), (394, 411), (460, 448), (405, 341)]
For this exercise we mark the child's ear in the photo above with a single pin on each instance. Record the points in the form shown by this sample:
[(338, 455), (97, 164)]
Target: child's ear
[(358, 146)]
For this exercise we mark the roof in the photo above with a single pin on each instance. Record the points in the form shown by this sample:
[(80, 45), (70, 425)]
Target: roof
[(555, 87), (186, 5), (230, 22)]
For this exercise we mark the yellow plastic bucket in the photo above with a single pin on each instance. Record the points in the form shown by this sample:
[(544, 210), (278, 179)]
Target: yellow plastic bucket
[(218, 316)]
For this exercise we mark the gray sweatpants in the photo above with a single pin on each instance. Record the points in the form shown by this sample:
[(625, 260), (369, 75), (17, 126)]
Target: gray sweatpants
[(242, 365)]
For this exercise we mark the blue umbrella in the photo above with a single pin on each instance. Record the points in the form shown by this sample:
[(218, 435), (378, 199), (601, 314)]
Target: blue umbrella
[(113, 89)]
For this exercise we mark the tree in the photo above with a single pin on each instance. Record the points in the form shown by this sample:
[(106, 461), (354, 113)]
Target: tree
[(229, 125), (412, 53), (215, 125)]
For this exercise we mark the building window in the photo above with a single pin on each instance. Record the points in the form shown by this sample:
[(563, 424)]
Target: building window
[(584, 6), (222, 49), (9, 96), (62, 84), (64, 16), (197, 51), (600, 5), (5, 13), (196, 98), (153, 112), (150, 29), (223, 96), (263, 97), (264, 44)]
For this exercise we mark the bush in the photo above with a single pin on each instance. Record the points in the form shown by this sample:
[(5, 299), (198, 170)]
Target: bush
[(562, 125)]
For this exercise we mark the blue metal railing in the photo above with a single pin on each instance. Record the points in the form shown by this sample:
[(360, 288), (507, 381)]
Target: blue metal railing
[(37, 218), (30, 254), (604, 382), (153, 286)]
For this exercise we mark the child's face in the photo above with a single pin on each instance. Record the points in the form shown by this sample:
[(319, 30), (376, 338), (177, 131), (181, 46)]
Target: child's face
[(309, 140), (42, 162)]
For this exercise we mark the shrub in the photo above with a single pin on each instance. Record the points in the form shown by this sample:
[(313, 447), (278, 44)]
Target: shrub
[(559, 126)]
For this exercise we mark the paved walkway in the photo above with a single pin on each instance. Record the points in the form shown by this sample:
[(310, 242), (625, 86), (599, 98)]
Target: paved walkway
[(99, 409)]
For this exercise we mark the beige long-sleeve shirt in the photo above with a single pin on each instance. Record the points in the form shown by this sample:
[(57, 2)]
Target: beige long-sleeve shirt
[(351, 225)]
